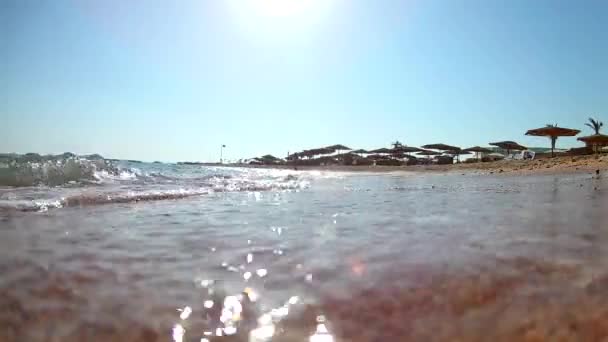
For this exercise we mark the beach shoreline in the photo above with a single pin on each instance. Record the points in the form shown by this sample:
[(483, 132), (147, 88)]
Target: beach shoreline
[(557, 165)]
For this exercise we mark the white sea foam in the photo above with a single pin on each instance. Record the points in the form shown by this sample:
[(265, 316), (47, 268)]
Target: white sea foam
[(75, 181)]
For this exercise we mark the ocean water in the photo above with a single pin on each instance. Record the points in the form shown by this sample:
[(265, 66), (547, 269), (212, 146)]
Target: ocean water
[(92, 250)]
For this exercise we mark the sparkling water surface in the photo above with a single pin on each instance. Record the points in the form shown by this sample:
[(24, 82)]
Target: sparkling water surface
[(193, 253)]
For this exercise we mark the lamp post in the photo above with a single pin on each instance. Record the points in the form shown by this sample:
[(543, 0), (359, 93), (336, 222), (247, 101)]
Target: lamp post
[(222, 153)]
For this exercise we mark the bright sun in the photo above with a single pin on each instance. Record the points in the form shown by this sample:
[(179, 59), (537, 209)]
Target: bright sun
[(281, 8), (279, 17)]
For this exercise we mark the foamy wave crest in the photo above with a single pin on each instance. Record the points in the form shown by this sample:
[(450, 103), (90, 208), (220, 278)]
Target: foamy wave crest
[(99, 197), (114, 175), (248, 184), (33, 169)]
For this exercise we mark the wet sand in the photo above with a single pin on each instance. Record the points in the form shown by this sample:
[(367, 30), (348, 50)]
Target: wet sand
[(519, 299), (527, 300)]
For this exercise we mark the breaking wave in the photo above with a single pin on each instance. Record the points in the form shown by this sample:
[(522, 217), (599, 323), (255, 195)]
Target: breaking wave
[(38, 183), (132, 197), (54, 170)]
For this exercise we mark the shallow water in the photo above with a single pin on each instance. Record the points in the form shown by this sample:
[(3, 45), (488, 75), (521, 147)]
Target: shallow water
[(190, 253)]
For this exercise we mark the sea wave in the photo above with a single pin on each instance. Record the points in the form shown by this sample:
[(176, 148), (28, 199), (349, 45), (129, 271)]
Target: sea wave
[(89, 198), (43, 205), (32, 182), (54, 170)]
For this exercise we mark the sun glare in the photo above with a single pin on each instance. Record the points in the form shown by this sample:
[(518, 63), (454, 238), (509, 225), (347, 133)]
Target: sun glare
[(281, 8), (279, 17)]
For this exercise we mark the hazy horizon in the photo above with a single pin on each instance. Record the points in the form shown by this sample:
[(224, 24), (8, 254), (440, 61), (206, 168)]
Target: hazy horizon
[(226, 160), (174, 81)]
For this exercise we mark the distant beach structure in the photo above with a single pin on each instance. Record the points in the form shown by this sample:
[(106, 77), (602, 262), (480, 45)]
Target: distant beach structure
[(441, 153), (597, 141), (553, 132)]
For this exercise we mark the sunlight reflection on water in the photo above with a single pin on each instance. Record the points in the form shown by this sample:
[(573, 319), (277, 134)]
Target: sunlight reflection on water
[(324, 264), (232, 319)]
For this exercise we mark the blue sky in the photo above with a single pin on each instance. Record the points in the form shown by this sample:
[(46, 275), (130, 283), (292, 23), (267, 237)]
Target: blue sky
[(162, 80)]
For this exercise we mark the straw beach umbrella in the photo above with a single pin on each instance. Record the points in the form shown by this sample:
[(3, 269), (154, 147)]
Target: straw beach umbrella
[(407, 149), (441, 147), (445, 148), (338, 148), (429, 153), (478, 150), (381, 150), (596, 141), (553, 132), (509, 145)]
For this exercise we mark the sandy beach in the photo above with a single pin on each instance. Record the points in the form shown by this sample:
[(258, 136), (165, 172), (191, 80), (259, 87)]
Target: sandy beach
[(557, 165)]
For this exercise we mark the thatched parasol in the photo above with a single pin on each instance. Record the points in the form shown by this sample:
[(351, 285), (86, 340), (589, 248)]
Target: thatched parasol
[(553, 132), (407, 149), (359, 151), (596, 140), (441, 147), (509, 145), (338, 148), (429, 153), (381, 150), (478, 150)]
